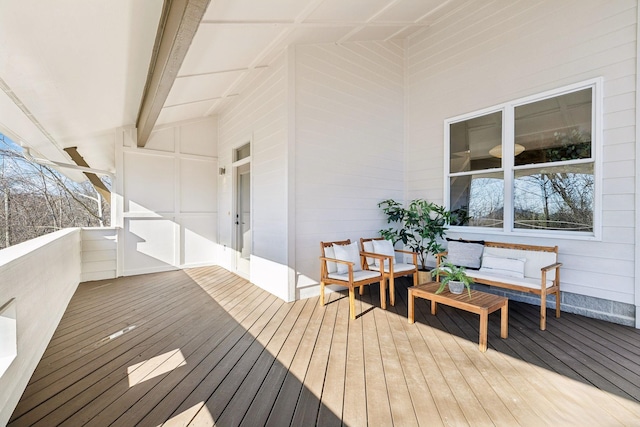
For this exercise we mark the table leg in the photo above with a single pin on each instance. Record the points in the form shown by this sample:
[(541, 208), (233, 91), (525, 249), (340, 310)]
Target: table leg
[(411, 303), (484, 320), (504, 320), (434, 307)]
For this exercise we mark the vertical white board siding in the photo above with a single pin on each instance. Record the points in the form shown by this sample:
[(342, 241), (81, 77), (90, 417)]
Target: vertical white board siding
[(349, 145), (99, 253), (198, 189), (170, 213), (162, 140), (149, 182), (195, 138), (259, 116), (150, 245), (486, 55)]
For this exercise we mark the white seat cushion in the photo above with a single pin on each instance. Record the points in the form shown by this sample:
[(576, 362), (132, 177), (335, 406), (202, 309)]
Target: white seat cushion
[(397, 268), (357, 275), (528, 282)]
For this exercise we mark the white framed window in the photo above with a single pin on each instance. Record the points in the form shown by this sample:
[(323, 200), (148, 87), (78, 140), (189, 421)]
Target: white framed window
[(530, 166)]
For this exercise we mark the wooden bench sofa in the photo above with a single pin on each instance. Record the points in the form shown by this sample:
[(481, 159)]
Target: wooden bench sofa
[(525, 268)]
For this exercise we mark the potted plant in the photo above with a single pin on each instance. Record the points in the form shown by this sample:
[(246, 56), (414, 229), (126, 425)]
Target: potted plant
[(418, 226), (454, 276)]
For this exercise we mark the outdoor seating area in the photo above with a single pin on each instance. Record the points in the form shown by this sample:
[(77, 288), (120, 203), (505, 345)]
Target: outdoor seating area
[(343, 263), (224, 351), (524, 268)]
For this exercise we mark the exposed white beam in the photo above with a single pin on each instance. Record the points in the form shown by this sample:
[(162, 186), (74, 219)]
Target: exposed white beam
[(233, 70), (178, 25), (201, 100), (314, 24)]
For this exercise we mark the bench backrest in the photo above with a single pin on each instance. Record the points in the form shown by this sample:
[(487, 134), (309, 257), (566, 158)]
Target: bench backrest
[(536, 256)]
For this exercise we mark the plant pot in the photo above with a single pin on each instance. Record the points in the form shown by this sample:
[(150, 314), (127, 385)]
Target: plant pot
[(424, 276), (456, 287)]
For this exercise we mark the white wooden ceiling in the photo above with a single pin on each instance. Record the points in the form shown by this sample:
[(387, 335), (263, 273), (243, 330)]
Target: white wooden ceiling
[(73, 70), (239, 38)]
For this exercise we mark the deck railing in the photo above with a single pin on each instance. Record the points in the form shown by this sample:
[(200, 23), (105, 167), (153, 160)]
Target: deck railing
[(37, 278)]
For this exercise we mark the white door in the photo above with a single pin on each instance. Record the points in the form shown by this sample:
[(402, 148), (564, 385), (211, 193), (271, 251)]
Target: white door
[(243, 218)]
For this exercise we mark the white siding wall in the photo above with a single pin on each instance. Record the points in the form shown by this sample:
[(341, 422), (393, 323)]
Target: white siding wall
[(259, 115), (168, 198), (99, 253), (501, 51), (41, 275), (349, 145)]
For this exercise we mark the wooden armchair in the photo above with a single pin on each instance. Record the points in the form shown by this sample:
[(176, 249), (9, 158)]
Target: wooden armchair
[(391, 269), (345, 269)]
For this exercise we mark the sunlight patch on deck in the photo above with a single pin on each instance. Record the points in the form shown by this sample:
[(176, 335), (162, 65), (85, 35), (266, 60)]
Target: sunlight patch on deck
[(155, 367), (185, 417)]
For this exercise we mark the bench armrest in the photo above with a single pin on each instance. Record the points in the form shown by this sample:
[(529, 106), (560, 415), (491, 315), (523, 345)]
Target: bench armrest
[(552, 266)]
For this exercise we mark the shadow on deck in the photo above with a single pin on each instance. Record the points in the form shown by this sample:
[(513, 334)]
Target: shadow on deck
[(203, 346)]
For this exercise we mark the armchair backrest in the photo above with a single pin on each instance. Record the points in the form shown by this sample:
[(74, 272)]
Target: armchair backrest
[(326, 249), (366, 245)]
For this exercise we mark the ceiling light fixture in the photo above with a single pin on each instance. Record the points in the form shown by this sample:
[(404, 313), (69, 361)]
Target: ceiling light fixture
[(497, 150)]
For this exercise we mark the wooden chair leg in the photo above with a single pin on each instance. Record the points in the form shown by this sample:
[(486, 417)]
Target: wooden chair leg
[(321, 293), (392, 291), (558, 303), (352, 303), (415, 279), (543, 310), (383, 295), (361, 289)]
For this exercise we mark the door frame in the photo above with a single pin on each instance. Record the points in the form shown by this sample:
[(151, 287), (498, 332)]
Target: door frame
[(235, 167)]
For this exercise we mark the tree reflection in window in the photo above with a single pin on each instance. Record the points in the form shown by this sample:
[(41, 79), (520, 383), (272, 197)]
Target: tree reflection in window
[(554, 198)]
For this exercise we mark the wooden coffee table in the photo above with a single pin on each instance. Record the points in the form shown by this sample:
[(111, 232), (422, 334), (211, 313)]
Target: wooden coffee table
[(480, 303)]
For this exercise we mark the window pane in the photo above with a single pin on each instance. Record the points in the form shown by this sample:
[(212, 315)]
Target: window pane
[(478, 200), (471, 140), (554, 129), (554, 198), (243, 152)]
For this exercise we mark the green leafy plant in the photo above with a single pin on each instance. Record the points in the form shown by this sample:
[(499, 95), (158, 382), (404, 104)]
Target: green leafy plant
[(418, 226), (452, 273)]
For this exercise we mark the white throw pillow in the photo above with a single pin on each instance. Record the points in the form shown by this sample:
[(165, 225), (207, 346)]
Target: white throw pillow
[(329, 253), (384, 247), (368, 247), (464, 254), (510, 267), (349, 253)]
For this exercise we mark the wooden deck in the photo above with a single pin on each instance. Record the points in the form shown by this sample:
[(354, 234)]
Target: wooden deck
[(205, 347)]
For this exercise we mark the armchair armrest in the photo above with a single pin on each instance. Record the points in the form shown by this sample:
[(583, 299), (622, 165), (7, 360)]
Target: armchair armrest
[(413, 254), (406, 252), (375, 255), (349, 264), (381, 257)]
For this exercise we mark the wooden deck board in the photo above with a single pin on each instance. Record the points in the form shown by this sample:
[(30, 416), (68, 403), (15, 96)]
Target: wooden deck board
[(240, 356)]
